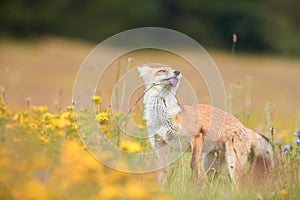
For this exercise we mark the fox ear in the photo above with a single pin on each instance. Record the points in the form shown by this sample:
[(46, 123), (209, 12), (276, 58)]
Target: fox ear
[(143, 70)]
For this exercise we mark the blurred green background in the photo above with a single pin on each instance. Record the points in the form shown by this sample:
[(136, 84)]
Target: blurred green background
[(262, 26)]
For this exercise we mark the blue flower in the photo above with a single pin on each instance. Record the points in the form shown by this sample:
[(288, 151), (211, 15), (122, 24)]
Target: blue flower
[(287, 147), (297, 141), (296, 134), (282, 151)]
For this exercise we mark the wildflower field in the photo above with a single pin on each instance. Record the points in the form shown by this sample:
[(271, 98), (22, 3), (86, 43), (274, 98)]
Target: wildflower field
[(42, 156)]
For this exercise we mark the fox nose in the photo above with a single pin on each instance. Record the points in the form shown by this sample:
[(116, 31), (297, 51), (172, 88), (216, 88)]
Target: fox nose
[(176, 73)]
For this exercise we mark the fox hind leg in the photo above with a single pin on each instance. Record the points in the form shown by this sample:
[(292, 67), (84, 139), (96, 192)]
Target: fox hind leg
[(231, 161), (236, 158)]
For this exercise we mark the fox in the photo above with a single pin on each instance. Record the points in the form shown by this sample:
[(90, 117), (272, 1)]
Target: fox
[(216, 137)]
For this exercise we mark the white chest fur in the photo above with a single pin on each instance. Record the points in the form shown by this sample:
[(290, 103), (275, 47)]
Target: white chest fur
[(158, 108)]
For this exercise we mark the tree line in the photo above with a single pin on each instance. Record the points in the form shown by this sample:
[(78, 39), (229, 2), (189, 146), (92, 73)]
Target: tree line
[(261, 25)]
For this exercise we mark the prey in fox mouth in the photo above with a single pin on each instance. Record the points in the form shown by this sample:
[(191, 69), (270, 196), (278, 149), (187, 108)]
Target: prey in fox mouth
[(172, 81)]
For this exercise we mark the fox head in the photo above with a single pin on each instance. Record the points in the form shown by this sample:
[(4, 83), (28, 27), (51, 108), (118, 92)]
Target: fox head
[(162, 77)]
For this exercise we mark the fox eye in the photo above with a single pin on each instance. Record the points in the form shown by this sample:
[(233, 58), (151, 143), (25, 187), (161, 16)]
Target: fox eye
[(162, 71)]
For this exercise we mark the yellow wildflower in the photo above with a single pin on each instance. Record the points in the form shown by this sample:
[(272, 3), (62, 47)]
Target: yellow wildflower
[(21, 117), (33, 126), (40, 161), (135, 191), (4, 110), (130, 146), (40, 109), (70, 108), (97, 100), (48, 116), (16, 117), (33, 189), (49, 127), (74, 127), (102, 117), (43, 139), (65, 115), (110, 192), (108, 136), (283, 192), (78, 166), (60, 133), (9, 126), (61, 123), (104, 129), (16, 139)]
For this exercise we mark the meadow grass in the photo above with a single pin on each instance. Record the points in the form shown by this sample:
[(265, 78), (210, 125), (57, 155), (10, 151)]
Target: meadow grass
[(41, 156)]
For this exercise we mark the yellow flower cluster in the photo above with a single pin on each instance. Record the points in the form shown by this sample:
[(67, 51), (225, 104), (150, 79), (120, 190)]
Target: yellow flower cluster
[(4, 110), (283, 192), (97, 100), (37, 120), (102, 117), (40, 109), (41, 157)]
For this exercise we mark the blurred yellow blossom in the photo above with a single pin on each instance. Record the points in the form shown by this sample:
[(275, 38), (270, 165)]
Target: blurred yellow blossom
[(33, 126), (15, 139), (111, 192), (16, 117), (42, 158), (40, 109), (283, 192), (74, 127), (102, 117), (60, 133), (97, 100), (20, 117), (104, 128), (4, 111), (135, 191), (48, 116), (61, 123), (34, 189), (43, 139), (130, 146), (67, 115), (70, 108), (9, 126)]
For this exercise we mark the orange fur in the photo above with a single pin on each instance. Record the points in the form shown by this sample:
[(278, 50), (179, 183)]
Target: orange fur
[(215, 134)]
